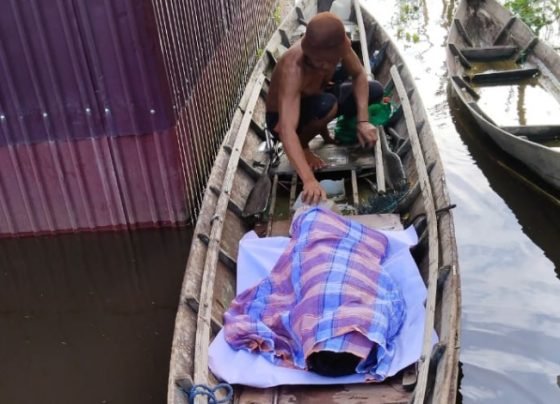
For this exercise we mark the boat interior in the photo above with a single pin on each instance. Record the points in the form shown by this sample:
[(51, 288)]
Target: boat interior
[(399, 185), (496, 60)]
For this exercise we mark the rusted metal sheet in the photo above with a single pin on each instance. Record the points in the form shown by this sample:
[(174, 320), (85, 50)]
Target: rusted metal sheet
[(112, 112), (90, 184)]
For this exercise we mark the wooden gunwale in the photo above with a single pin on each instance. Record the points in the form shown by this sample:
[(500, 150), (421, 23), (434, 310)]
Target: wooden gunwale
[(425, 186), (206, 292), (182, 353)]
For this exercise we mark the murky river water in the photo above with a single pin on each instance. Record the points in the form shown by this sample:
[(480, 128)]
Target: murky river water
[(88, 318), (508, 231), (98, 327)]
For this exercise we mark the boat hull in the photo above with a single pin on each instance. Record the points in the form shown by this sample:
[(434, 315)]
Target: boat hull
[(209, 281), (502, 27)]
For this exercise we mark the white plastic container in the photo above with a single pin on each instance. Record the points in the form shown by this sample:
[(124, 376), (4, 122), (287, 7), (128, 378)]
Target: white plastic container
[(342, 8)]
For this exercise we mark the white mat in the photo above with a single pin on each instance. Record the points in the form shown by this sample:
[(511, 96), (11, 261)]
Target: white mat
[(256, 259)]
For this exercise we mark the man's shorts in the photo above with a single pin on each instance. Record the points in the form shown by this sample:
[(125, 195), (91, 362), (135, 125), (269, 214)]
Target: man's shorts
[(318, 106)]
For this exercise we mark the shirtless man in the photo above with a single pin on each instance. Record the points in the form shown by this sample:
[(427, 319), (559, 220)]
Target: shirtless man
[(298, 108)]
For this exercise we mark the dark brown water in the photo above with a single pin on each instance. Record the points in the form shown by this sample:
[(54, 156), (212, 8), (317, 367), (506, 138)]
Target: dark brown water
[(507, 222), (88, 318)]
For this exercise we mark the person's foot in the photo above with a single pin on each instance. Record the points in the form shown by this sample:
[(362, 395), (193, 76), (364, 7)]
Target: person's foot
[(314, 161), (327, 138)]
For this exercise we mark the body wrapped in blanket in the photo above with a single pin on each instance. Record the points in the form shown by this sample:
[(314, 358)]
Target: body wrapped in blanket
[(326, 293)]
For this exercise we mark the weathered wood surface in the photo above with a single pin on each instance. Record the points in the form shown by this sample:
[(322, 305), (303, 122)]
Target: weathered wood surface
[(337, 158), (428, 199), (390, 393), (203, 325), (489, 53), (505, 30), (537, 62), (205, 320), (535, 132), (461, 29), (465, 86), (502, 77), (456, 52)]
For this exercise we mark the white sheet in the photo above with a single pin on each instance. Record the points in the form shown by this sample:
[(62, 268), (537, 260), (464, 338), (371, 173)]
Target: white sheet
[(256, 259)]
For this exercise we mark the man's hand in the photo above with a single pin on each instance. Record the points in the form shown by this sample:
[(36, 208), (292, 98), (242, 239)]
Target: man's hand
[(313, 193), (367, 134)]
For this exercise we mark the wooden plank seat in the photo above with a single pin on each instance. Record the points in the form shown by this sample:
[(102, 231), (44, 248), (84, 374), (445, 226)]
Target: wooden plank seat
[(490, 53), (502, 77), (338, 158)]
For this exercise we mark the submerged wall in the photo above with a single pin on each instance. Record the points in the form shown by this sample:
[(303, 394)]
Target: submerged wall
[(112, 112)]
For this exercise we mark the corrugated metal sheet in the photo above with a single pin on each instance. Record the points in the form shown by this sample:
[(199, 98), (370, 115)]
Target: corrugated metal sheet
[(208, 79), (111, 112)]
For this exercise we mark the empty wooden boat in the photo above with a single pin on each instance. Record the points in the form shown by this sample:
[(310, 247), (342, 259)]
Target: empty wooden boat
[(210, 277), (509, 82)]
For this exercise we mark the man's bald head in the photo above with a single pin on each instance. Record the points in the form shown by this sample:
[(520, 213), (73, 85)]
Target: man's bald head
[(325, 37)]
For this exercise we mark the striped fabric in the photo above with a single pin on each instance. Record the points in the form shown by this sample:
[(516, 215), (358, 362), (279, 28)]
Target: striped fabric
[(328, 292)]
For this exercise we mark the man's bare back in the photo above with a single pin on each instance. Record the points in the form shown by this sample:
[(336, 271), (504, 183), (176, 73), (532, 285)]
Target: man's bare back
[(298, 109), (308, 79)]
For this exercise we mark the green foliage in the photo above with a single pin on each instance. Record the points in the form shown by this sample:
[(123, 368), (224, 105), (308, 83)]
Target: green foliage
[(536, 14)]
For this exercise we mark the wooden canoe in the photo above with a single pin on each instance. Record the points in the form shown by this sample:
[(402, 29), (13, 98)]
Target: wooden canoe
[(209, 281), (488, 46)]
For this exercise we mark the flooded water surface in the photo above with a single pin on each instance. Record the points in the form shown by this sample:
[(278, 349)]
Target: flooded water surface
[(520, 104), (507, 221), (88, 318)]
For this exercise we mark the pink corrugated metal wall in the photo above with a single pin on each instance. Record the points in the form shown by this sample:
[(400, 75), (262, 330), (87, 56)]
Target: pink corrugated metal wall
[(112, 112)]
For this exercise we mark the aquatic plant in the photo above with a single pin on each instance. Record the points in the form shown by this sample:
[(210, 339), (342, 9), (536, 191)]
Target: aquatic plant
[(408, 13)]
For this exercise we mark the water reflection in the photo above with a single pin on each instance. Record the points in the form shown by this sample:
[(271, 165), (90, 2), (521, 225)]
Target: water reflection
[(519, 104), (508, 227), (535, 205), (89, 318), (511, 299)]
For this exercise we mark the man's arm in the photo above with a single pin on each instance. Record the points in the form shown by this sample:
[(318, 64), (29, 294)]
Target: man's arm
[(367, 133), (288, 109)]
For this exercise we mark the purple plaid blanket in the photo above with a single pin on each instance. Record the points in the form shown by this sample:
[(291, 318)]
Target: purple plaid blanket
[(327, 292)]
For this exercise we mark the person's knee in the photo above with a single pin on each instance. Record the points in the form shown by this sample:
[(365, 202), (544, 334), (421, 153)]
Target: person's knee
[(375, 92), (327, 107)]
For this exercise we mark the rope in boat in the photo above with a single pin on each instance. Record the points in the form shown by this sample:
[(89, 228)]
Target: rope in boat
[(209, 392)]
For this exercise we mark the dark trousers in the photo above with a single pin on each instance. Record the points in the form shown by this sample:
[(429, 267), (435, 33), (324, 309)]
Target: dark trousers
[(318, 106)]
